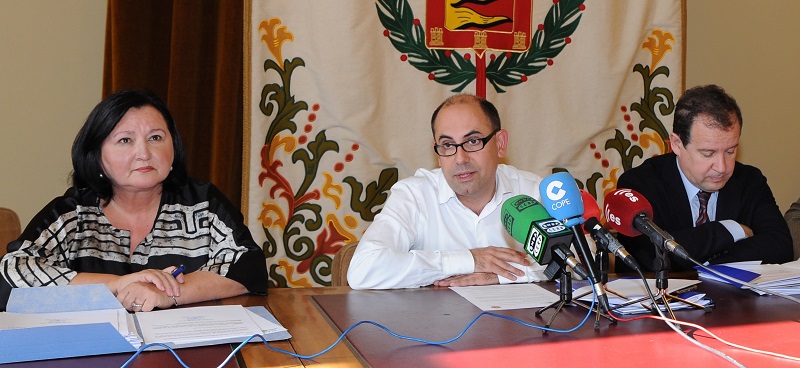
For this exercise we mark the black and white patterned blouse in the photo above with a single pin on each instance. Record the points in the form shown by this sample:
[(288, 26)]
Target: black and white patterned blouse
[(196, 226)]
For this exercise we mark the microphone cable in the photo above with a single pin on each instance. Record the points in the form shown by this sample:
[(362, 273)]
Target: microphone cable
[(712, 335), (386, 329), (670, 322)]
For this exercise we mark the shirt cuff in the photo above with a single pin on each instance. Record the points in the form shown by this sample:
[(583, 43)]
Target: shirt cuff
[(734, 228), (533, 273), (520, 279), (457, 262)]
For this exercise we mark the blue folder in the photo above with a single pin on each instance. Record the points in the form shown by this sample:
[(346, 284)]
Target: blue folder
[(736, 273), (41, 343), (52, 342)]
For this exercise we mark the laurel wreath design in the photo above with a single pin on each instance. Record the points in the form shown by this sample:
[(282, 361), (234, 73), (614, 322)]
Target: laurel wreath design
[(451, 68), (408, 37)]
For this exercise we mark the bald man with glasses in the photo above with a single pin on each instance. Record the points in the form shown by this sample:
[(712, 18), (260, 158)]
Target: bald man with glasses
[(443, 226)]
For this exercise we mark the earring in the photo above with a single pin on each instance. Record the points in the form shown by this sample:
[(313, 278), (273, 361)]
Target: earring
[(102, 176), (170, 168)]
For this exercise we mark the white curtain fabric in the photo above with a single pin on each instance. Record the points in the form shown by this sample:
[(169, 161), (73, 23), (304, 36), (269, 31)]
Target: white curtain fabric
[(340, 99)]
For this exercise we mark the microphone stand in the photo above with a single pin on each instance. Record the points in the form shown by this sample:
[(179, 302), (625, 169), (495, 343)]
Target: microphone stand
[(663, 243), (558, 267), (602, 253), (564, 291), (602, 307), (602, 265), (661, 264)]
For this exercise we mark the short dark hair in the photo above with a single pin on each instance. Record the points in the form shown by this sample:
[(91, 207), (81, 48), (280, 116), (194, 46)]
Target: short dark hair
[(709, 100), (86, 149), (487, 107)]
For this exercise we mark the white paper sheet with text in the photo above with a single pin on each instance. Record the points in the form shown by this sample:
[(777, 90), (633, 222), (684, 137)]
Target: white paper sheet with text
[(183, 326), (508, 296)]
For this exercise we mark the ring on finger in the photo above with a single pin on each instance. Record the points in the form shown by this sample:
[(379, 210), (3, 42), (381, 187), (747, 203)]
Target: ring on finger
[(136, 305)]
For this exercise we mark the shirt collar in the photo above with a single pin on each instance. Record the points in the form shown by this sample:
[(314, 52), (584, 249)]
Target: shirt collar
[(691, 190)]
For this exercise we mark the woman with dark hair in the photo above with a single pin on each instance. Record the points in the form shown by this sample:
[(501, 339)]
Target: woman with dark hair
[(132, 217)]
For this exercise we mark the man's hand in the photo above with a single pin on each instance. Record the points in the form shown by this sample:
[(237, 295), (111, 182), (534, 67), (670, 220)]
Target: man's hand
[(496, 260), (477, 278), (748, 232)]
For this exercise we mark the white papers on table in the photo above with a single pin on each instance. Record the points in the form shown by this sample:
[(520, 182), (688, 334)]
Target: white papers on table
[(181, 327), (266, 326), (185, 327), (646, 305), (508, 296), (634, 289)]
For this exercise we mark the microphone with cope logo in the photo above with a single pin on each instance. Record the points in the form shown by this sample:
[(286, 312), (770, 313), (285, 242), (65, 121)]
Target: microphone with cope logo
[(544, 238), (562, 199)]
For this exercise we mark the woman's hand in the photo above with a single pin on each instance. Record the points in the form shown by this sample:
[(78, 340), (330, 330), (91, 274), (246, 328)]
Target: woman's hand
[(144, 297), (162, 280)]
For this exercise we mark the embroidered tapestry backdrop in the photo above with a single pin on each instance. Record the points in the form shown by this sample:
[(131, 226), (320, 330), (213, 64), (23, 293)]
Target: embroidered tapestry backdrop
[(339, 95)]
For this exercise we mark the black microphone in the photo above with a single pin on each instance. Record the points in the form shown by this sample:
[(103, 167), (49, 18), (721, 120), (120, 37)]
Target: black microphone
[(545, 239), (564, 256), (562, 199), (603, 238)]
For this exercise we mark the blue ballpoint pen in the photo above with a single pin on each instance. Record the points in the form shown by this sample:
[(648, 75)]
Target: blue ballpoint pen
[(178, 271)]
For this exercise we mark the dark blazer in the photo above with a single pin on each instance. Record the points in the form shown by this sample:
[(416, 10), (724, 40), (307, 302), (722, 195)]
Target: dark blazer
[(745, 198)]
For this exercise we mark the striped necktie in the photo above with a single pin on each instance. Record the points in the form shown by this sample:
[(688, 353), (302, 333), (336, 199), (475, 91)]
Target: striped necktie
[(702, 217)]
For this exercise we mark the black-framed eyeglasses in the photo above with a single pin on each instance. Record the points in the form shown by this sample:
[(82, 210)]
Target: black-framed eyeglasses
[(471, 145)]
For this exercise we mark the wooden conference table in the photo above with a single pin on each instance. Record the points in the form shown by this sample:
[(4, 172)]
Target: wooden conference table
[(316, 316)]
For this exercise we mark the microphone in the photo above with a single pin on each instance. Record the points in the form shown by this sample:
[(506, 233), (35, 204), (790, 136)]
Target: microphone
[(563, 255), (518, 212), (562, 199), (602, 237), (544, 238), (630, 214), (606, 240), (590, 208)]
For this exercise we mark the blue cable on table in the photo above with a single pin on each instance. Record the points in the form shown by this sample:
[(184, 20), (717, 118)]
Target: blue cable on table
[(390, 332)]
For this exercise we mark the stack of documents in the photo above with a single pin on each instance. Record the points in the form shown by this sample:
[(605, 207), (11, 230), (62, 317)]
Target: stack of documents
[(82, 320), (776, 278), (628, 296), (200, 326)]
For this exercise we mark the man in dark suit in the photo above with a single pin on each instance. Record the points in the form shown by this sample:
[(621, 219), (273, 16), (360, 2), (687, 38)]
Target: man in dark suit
[(718, 209)]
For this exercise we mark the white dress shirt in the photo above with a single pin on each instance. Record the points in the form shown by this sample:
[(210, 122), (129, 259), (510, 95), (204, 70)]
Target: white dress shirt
[(711, 208), (424, 233)]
